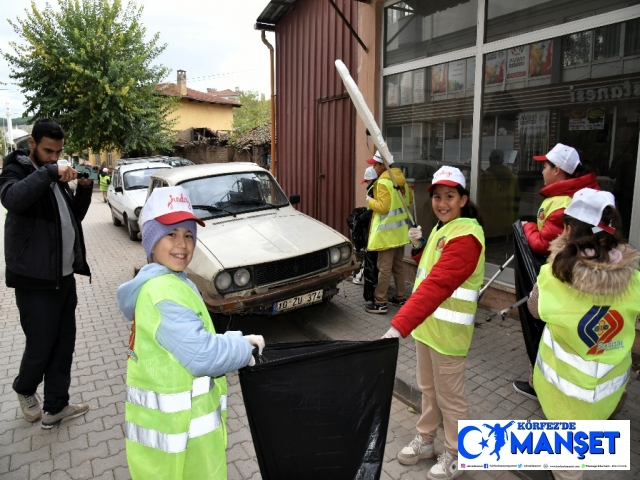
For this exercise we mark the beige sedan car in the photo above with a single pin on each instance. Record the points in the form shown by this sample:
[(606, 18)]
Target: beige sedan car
[(257, 254)]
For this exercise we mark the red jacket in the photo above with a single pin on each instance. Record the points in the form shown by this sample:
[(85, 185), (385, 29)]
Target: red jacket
[(554, 225), (457, 262)]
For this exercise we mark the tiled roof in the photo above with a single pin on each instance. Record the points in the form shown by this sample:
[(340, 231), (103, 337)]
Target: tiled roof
[(171, 89), (213, 91)]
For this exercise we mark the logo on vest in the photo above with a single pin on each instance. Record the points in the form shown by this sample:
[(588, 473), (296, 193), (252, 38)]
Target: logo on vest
[(598, 328), (132, 341), (440, 244), (541, 214)]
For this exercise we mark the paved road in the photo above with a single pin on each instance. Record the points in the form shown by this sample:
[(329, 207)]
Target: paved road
[(93, 446)]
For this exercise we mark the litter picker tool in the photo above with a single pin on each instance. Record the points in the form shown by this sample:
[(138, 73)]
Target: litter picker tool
[(369, 122), (483, 289), (503, 313)]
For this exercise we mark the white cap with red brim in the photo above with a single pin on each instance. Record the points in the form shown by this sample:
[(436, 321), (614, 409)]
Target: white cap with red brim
[(168, 205)]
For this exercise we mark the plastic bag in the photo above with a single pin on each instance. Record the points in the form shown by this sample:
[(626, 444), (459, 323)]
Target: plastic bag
[(320, 410)]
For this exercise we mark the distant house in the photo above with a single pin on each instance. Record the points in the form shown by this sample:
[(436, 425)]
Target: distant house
[(228, 94), (199, 109)]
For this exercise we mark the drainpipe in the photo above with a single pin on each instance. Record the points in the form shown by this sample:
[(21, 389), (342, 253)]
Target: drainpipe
[(273, 106)]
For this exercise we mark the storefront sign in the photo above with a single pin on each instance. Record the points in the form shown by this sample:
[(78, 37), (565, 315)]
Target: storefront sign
[(540, 55), (439, 78), (418, 86), (517, 63), (592, 119), (608, 92), (456, 75), (406, 88), (494, 68)]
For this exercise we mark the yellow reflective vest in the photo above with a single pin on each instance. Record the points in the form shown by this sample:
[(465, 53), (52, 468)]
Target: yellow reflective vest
[(550, 205), (585, 351), (390, 230), (104, 182), (450, 328), (174, 422)]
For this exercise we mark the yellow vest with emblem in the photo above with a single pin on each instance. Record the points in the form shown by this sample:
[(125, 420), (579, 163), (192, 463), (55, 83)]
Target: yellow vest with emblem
[(104, 183), (174, 422), (584, 354), (390, 230), (550, 205), (450, 328)]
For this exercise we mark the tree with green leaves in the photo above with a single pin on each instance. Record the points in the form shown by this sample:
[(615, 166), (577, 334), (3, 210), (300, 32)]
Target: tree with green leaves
[(87, 65), (254, 112)]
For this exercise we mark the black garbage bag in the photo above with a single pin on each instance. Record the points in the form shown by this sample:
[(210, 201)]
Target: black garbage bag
[(527, 266), (358, 221), (370, 275), (320, 410)]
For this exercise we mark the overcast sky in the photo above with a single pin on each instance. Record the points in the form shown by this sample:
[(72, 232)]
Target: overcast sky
[(213, 40)]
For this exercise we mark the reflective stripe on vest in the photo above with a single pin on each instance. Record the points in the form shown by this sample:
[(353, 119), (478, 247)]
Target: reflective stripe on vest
[(173, 442), (454, 317), (590, 396), (459, 293), (591, 368), (169, 403)]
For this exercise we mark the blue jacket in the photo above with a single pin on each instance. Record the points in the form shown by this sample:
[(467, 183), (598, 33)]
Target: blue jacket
[(181, 331)]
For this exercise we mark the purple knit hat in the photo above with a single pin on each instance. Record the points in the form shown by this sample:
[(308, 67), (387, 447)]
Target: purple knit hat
[(153, 231)]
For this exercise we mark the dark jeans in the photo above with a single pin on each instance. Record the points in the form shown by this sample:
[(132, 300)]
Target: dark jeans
[(49, 323)]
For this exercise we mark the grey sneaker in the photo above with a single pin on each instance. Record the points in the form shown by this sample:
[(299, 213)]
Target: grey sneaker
[(418, 449), (30, 406), (68, 412), (446, 468)]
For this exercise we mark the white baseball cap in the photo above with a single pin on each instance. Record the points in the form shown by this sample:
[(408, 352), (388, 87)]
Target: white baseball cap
[(369, 174), (377, 158), (168, 205), (449, 176), (587, 206), (104, 170), (566, 158)]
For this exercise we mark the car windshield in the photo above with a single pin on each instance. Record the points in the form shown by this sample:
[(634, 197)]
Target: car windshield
[(139, 179), (234, 193)]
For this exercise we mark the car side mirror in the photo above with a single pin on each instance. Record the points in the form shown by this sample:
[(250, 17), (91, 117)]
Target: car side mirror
[(294, 199), (118, 189)]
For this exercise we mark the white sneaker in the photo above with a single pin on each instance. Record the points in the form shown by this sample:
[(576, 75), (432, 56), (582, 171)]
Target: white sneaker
[(418, 449), (446, 468)]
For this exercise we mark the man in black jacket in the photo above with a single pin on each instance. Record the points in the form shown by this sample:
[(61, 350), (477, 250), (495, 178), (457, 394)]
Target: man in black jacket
[(43, 248)]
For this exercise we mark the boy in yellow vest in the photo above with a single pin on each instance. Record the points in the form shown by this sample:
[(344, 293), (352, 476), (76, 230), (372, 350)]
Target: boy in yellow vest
[(176, 397)]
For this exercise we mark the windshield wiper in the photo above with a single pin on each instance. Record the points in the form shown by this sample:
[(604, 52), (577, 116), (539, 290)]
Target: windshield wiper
[(213, 208)]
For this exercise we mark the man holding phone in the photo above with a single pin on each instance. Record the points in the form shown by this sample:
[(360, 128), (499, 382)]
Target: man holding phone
[(44, 247)]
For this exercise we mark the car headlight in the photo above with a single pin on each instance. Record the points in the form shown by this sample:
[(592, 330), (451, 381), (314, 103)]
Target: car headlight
[(345, 252), (241, 277), (137, 211), (223, 281), (334, 255)]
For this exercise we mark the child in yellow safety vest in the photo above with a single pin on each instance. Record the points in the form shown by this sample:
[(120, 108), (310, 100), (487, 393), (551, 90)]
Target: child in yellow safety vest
[(176, 396), (440, 315), (588, 295)]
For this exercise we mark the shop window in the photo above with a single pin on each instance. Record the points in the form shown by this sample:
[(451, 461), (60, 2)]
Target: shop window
[(423, 28), (632, 37), (506, 18), (606, 42), (576, 49)]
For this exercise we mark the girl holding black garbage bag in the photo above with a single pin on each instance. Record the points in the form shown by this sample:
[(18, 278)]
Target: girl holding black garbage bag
[(440, 315)]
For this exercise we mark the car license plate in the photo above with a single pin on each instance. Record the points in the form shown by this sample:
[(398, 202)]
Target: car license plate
[(299, 301)]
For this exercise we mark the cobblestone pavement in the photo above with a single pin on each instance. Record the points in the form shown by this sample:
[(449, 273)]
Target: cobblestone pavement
[(92, 446)]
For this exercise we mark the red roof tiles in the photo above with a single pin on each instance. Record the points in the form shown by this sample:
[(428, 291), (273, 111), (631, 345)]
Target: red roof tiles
[(171, 89)]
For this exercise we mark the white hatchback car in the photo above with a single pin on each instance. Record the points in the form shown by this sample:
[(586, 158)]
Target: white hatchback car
[(128, 191), (257, 253)]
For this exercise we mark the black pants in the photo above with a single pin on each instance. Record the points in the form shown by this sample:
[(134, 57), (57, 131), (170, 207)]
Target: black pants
[(48, 321)]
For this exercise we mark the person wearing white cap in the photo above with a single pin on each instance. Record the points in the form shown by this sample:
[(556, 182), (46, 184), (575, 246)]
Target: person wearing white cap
[(105, 181), (440, 314), (563, 176), (176, 396), (388, 235), (587, 294)]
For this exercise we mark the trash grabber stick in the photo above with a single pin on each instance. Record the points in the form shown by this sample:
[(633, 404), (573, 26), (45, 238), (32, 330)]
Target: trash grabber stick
[(483, 289), (369, 122), (503, 313)]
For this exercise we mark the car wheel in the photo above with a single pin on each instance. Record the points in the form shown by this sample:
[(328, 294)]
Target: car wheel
[(114, 219), (133, 234)]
